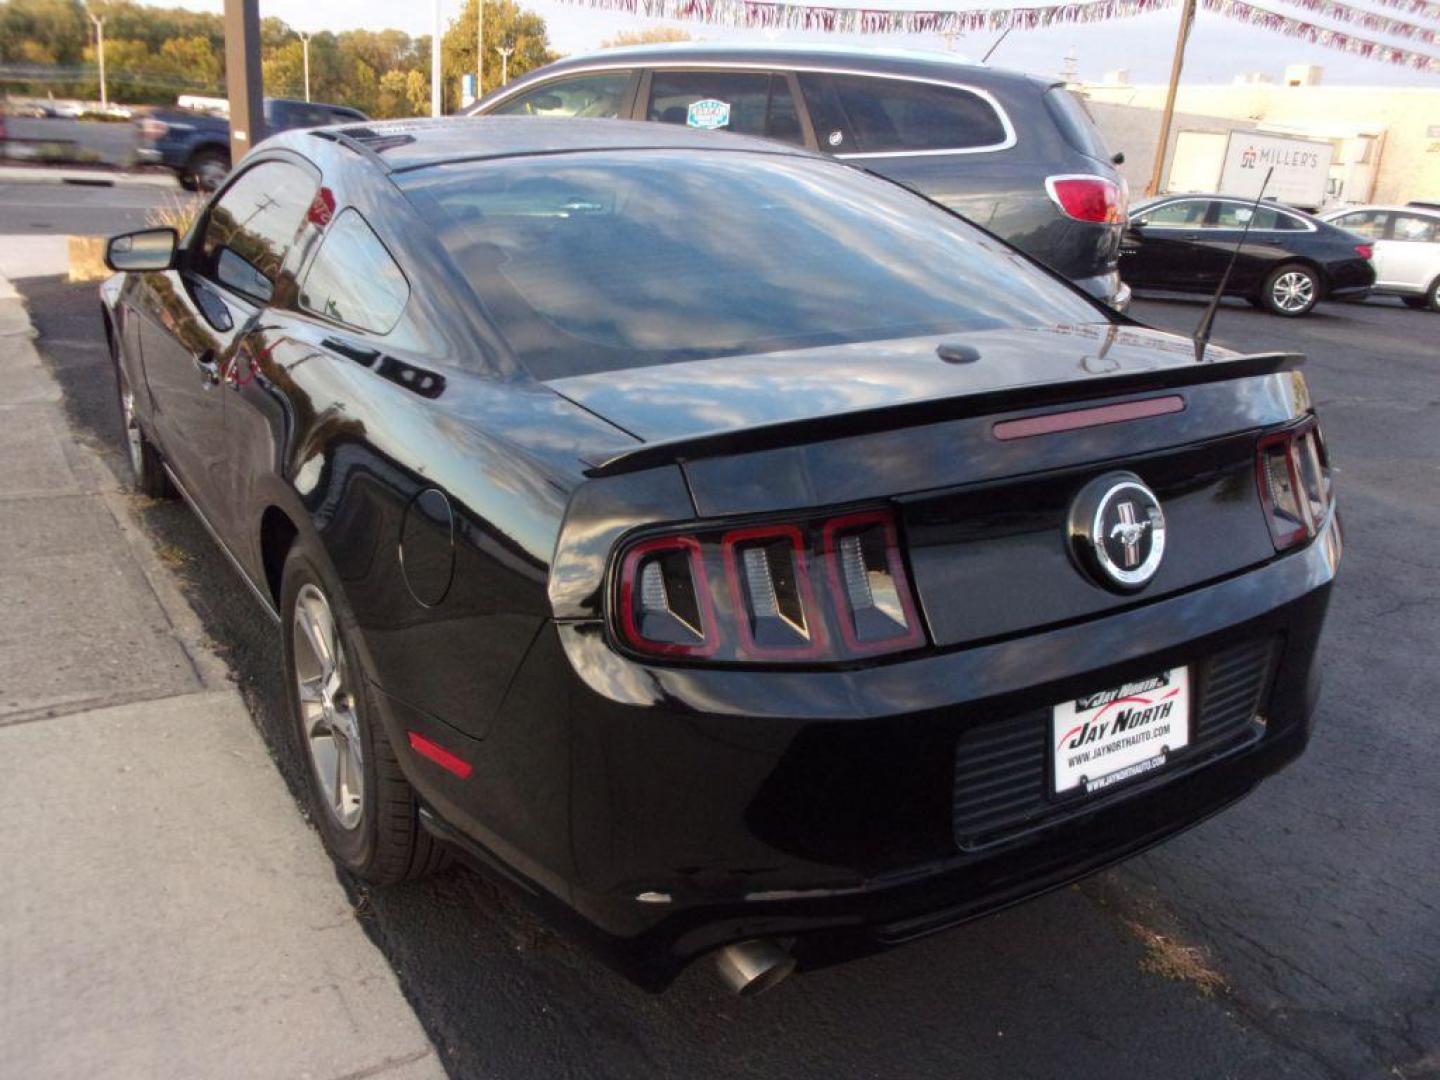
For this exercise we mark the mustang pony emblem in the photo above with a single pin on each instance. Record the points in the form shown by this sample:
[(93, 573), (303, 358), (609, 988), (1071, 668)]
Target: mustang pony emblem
[(1129, 531)]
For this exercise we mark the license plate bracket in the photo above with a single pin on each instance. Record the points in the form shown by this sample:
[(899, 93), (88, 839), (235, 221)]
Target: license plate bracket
[(1117, 735)]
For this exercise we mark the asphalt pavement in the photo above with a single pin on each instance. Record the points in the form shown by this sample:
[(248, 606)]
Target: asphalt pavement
[(1297, 934)]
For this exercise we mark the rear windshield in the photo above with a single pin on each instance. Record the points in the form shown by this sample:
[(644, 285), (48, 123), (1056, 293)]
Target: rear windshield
[(1074, 122), (606, 260)]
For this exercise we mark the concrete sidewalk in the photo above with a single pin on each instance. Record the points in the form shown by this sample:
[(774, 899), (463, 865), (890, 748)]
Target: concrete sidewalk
[(164, 908)]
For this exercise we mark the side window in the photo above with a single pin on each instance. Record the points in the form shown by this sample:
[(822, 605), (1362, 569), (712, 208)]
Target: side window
[(1236, 215), (892, 115), (599, 95), (1416, 229), (1289, 223), (253, 225), (353, 279), (715, 100), (1367, 223), (1189, 212)]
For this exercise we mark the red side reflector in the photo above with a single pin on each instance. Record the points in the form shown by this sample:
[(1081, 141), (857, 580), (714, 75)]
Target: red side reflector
[(438, 754), (1074, 419)]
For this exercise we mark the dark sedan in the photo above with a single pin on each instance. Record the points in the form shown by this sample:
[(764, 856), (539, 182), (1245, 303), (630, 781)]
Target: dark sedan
[(1288, 261), (733, 551)]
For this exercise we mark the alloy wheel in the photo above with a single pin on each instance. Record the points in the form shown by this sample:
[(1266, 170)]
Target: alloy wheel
[(1293, 291), (329, 721)]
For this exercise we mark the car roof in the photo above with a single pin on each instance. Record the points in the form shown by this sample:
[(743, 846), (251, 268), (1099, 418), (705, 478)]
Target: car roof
[(878, 60), (1419, 211), (1175, 196), (400, 145)]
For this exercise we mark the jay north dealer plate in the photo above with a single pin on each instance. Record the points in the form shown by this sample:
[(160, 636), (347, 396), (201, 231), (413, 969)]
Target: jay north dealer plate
[(1114, 735)]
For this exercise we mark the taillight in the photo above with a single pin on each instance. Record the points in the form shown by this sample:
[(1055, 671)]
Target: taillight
[(153, 130), (783, 592), (1365, 251), (1293, 471), (1087, 198)]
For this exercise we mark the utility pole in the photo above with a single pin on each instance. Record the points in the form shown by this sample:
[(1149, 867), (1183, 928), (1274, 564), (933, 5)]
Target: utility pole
[(436, 108), (304, 36), (1187, 18), (99, 21), (242, 75), (504, 51), (479, 49)]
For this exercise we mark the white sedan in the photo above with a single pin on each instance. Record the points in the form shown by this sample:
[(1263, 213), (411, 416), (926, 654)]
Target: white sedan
[(1406, 240)]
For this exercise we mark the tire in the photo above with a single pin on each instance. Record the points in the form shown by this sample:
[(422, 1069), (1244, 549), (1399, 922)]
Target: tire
[(366, 812), (1290, 291), (146, 465), (187, 182), (207, 170)]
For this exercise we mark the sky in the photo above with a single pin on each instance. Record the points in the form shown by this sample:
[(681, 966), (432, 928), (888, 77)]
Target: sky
[(1219, 48)]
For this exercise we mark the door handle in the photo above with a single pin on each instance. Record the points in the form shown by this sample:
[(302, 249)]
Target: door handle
[(207, 367)]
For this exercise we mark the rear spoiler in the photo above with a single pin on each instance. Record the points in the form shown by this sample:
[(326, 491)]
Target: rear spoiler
[(918, 413)]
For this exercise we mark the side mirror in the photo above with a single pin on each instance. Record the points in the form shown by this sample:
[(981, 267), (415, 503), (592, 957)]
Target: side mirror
[(149, 249)]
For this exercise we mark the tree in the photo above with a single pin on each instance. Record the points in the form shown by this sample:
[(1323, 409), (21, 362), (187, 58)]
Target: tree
[(654, 35), (506, 23), (417, 92), (391, 100)]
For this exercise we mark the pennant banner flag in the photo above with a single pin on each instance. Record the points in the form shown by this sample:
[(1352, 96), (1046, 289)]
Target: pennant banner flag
[(766, 15)]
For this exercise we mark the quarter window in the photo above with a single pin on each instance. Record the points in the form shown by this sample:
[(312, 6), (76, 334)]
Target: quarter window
[(353, 279), (890, 115), (1416, 229), (599, 95), (254, 224), (1367, 223)]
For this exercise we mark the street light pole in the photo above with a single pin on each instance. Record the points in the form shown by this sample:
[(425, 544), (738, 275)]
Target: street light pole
[(504, 51), (1187, 18), (304, 36), (435, 105), (479, 48), (99, 21)]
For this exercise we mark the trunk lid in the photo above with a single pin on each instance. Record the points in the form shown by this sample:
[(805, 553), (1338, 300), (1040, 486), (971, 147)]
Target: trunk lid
[(707, 397)]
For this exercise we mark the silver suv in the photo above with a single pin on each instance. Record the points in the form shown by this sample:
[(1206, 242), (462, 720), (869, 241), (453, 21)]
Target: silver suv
[(1406, 240)]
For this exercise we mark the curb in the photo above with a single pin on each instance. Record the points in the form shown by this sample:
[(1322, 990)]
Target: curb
[(11, 174)]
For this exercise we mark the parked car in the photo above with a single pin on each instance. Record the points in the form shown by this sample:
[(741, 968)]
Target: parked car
[(1288, 263), (1015, 154), (195, 145), (733, 550), (1406, 244)]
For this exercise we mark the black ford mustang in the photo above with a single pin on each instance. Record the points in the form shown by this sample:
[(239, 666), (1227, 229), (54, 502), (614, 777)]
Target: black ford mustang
[(733, 550)]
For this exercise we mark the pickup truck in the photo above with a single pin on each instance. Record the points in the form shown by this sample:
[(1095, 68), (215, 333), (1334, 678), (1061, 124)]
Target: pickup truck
[(195, 145)]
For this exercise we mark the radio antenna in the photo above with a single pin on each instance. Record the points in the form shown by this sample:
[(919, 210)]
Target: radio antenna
[(1202, 332)]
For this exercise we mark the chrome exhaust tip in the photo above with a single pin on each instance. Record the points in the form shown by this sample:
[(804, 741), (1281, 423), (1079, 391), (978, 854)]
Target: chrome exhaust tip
[(752, 967)]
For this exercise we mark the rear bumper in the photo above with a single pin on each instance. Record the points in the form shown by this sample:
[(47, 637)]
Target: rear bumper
[(699, 807)]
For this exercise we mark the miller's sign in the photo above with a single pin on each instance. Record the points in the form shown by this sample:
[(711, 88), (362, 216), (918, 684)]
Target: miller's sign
[(1302, 168)]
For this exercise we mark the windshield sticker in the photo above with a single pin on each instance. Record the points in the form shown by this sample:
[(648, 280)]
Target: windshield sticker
[(709, 114)]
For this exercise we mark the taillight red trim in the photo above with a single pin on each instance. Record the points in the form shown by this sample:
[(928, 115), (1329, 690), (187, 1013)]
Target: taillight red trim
[(814, 618), (709, 628), (914, 636), (1365, 251), (438, 754)]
